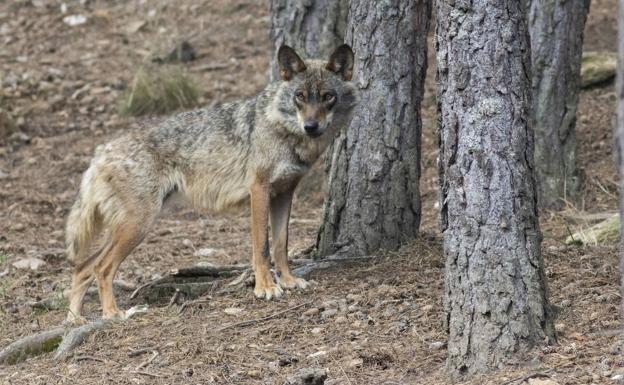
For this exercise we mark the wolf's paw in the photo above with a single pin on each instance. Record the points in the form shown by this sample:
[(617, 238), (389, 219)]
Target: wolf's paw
[(75, 320), (117, 315), (290, 282), (269, 291)]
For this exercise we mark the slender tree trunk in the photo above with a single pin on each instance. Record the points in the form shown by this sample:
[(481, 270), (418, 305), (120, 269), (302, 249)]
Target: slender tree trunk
[(619, 134), (495, 287), (314, 28), (373, 198), (556, 29)]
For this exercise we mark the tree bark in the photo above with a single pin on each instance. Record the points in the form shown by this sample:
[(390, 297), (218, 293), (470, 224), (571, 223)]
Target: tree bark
[(373, 198), (495, 291), (619, 135), (556, 29), (314, 28)]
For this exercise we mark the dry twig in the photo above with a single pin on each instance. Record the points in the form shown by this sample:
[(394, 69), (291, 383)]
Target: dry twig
[(262, 319)]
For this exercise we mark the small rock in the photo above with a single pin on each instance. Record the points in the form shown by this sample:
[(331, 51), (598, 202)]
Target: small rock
[(340, 319), (427, 308), (318, 354), (331, 304), (356, 363), (18, 227), (316, 330), (618, 377), (355, 298), (566, 303), (436, 345), (135, 26), (31, 263), (308, 376), (187, 243), (164, 232), (233, 310), (74, 20), (254, 373), (559, 327), (353, 308), (206, 252), (19, 137), (311, 312), (594, 316), (329, 313)]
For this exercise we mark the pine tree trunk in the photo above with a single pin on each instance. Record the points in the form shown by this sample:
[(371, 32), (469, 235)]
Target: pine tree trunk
[(495, 287), (314, 28), (556, 29), (619, 135), (373, 198)]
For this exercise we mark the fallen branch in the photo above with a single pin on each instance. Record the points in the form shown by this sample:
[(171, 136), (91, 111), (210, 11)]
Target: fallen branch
[(262, 319), (209, 271), (189, 283), (186, 284)]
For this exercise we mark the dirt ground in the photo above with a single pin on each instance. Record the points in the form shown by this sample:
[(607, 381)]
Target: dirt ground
[(63, 84)]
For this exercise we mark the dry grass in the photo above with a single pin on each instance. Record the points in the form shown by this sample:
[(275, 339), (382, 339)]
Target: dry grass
[(159, 90)]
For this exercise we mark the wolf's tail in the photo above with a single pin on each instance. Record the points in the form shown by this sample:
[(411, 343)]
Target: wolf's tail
[(84, 222)]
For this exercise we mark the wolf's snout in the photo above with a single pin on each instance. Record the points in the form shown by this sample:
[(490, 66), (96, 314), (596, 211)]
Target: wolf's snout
[(311, 128)]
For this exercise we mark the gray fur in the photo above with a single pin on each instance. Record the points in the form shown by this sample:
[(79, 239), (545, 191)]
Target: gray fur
[(210, 157)]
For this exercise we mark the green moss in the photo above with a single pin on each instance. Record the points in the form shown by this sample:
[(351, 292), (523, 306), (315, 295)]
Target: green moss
[(605, 232), (159, 90), (46, 347), (597, 68)]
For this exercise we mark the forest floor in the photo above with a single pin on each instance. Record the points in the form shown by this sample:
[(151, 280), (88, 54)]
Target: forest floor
[(64, 85)]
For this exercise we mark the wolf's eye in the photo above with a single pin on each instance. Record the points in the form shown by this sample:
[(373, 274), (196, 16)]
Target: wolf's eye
[(329, 97), (300, 96)]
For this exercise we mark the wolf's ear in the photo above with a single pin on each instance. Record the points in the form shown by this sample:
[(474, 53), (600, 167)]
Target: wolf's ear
[(341, 62), (290, 63)]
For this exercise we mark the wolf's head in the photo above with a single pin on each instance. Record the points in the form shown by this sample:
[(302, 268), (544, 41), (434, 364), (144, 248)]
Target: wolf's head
[(316, 96)]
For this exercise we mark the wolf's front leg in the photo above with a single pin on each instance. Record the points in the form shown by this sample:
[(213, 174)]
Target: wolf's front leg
[(265, 286), (280, 214)]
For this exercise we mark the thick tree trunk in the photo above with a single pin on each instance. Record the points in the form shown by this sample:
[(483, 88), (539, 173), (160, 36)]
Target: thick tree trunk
[(314, 28), (619, 135), (373, 198), (495, 287), (556, 29)]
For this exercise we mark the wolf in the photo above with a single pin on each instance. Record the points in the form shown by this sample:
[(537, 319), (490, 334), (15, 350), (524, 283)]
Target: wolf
[(253, 151)]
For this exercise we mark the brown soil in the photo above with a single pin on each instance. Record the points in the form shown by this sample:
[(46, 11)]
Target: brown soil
[(65, 82)]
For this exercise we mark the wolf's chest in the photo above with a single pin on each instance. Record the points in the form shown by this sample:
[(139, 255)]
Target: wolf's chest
[(287, 173)]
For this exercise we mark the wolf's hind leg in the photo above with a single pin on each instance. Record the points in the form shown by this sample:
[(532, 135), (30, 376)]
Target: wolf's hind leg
[(280, 215), (82, 277), (125, 238)]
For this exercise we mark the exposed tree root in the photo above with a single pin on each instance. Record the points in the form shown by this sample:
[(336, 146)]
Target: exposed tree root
[(33, 345), (76, 336), (62, 339), (179, 286)]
